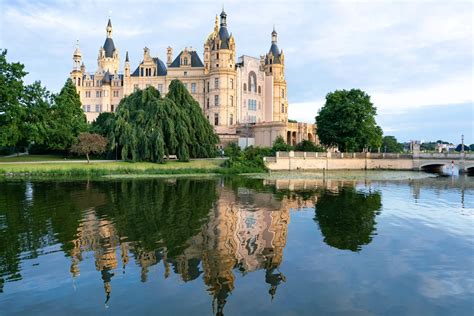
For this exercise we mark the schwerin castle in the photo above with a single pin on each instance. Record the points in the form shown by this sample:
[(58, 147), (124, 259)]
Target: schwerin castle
[(245, 99)]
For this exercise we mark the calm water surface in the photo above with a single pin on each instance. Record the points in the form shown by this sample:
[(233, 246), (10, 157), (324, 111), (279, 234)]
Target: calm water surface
[(237, 246)]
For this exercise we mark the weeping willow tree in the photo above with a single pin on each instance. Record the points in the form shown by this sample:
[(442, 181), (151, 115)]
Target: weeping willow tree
[(148, 127)]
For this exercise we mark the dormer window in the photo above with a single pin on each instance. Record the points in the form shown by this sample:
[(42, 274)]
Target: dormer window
[(185, 61)]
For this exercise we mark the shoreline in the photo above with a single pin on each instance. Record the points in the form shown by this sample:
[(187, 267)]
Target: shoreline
[(112, 169)]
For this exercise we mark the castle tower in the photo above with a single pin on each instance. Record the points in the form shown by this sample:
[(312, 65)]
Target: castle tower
[(127, 66), (108, 59), (275, 67), (77, 68), (220, 104)]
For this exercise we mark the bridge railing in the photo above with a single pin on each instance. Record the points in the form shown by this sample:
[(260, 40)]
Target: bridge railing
[(445, 156), (336, 155), (341, 155)]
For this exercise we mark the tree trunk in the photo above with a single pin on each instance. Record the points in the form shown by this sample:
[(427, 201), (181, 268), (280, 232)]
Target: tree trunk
[(87, 156)]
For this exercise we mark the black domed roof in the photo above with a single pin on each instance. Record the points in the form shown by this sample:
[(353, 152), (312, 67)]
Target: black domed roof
[(109, 47), (275, 51), (224, 36)]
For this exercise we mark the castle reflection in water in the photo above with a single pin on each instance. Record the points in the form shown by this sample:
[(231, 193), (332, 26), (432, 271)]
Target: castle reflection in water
[(244, 232), (198, 229)]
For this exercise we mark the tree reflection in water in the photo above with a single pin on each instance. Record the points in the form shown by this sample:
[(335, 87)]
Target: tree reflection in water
[(347, 218), (211, 227)]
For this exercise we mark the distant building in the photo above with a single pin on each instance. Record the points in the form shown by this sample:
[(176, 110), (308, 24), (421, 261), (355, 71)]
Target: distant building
[(445, 148), (244, 97)]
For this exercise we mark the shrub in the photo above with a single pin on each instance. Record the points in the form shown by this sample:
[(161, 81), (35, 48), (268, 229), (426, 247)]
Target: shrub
[(280, 145), (309, 146)]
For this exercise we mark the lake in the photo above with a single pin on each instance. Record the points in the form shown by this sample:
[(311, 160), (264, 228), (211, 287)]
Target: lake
[(237, 245)]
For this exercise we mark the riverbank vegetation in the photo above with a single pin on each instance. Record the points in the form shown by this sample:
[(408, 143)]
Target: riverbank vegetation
[(68, 169)]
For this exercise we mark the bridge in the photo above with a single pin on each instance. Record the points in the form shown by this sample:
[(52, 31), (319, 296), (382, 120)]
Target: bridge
[(369, 161)]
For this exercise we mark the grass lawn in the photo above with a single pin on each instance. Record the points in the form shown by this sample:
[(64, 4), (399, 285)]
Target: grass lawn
[(109, 168), (28, 158)]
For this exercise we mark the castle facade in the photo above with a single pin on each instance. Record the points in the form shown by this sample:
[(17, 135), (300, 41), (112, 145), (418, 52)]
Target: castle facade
[(244, 98)]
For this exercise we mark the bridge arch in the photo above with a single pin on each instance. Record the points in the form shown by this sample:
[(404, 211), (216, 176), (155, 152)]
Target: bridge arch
[(433, 166), (469, 169)]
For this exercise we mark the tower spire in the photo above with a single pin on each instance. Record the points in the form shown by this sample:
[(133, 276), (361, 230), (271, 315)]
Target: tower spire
[(274, 35), (223, 18), (109, 29), (126, 57), (77, 57)]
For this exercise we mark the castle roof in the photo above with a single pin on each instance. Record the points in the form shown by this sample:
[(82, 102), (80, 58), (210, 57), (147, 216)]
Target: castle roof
[(195, 60), (109, 47), (159, 65), (275, 51), (105, 79), (223, 33)]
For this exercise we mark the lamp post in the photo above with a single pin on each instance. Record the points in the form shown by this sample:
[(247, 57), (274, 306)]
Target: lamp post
[(116, 150), (462, 144)]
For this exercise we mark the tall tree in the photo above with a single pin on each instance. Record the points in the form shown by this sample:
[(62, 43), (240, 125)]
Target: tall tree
[(148, 127), (37, 119), (347, 120), (103, 125), (202, 137), (68, 118), (11, 92)]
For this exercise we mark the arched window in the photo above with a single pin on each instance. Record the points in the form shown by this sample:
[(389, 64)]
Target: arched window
[(231, 119), (252, 82), (78, 81), (245, 87), (259, 90)]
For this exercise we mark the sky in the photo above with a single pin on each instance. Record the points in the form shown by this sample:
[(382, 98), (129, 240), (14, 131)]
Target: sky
[(414, 58)]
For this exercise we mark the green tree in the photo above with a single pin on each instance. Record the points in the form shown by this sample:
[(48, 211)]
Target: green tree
[(391, 145), (232, 150), (104, 124), (428, 146), (68, 118), (148, 127), (88, 143), (280, 145), (203, 140), (471, 147), (347, 120), (308, 146), (12, 114), (37, 120)]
